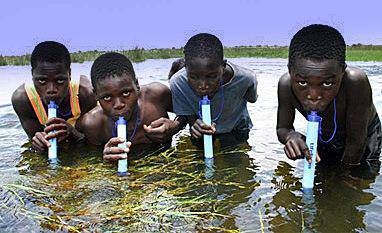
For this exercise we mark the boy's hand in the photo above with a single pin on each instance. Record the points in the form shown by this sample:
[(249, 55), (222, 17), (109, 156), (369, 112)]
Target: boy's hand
[(39, 142), (199, 128), (160, 130), (63, 129), (112, 152), (296, 148)]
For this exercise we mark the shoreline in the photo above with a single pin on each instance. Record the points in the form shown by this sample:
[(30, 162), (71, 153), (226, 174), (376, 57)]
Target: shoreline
[(355, 52)]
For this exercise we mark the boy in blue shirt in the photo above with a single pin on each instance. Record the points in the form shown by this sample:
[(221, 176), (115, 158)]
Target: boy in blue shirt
[(228, 86)]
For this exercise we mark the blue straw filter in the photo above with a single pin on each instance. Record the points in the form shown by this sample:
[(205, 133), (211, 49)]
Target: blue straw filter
[(122, 133), (206, 117), (311, 141), (52, 112)]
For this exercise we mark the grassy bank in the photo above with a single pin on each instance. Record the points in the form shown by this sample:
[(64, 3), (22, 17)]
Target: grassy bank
[(354, 53)]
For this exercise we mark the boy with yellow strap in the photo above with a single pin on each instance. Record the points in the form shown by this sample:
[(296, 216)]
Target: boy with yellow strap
[(52, 82)]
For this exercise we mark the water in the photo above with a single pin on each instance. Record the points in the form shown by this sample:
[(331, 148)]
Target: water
[(246, 188)]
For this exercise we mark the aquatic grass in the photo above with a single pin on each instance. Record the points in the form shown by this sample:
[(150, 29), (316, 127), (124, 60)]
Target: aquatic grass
[(166, 190), (261, 221)]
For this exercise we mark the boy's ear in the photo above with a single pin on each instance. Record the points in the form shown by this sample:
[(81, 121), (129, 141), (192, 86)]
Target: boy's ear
[(137, 85), (224, 63), (344, 68), (70, 73), (288, 67)]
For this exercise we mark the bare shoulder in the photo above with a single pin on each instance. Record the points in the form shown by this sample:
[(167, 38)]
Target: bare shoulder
[(93, 125), (86, 88), (20, 101), (86, 94), (93, 119), (355, 75), (284, 82), (156, 91)]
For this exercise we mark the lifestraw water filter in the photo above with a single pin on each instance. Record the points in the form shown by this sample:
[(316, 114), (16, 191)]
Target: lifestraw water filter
[(206, 117), (52, 112), (122, 133), (311, 141)]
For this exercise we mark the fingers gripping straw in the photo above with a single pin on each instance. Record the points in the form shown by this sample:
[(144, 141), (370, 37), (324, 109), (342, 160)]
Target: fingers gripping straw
[(206, 117), (311, 141), (52, 112), (122, 133)]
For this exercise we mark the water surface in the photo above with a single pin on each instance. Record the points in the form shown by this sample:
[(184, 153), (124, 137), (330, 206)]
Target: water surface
[(246, 188)]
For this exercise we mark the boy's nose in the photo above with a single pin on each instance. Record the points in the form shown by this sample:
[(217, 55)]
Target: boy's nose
[(314, 94), (118, 104), (203, 85), (51, 89)]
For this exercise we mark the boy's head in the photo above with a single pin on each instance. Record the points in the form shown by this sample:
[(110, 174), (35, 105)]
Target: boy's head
[(316, 65), (50, 63), (204, 63), (116, 87)]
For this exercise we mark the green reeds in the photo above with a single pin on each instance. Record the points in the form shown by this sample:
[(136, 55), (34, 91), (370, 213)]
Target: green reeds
[(355, 52)]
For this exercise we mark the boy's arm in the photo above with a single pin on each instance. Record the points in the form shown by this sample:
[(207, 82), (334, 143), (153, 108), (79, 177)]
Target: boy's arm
[(87, 102), (86, 95), (28, 120), (359, 104), (90, 125), (251, 93), (176, 66), (295, 146), (163, 128), (25, 112)]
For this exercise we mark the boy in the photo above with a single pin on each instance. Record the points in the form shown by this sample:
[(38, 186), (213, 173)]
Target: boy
[(228, 86), (319, 80), (119, 94), (51, 71)]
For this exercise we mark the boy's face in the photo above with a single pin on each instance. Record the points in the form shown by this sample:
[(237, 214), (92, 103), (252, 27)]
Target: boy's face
[(204, 75), (51, 81), (316, 83), (118, 96)]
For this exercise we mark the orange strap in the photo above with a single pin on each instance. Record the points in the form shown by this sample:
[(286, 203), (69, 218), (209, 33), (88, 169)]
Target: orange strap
[(74, 102), (35, 100)]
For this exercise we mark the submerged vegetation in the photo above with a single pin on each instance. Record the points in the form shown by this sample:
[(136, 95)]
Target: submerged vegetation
[(356, 52), (166, 190)]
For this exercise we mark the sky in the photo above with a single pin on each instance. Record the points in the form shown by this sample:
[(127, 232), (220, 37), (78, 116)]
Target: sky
[(116, 24)]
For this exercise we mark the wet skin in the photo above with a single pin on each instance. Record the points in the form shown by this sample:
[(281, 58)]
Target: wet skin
[(51, 81), (205, 76), (312, 85), (121, 96)]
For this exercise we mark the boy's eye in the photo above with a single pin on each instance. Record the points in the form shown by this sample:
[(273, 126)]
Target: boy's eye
[(41, 81), (60, 81), (302, 83), (106, 98), (126, 94), (191, 77), (327, 84)]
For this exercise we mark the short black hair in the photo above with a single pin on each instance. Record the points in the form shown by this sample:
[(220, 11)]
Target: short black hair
[(317, 42), (203, 45), (50, 51), (111, 64)]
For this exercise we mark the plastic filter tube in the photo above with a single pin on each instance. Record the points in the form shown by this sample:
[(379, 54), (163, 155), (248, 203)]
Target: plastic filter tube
[(122, 133), (206, 117), (52, 112), (311, 141)]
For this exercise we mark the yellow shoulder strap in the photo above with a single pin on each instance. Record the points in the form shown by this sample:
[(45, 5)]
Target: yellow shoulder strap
[(74, 102), (36, 103)]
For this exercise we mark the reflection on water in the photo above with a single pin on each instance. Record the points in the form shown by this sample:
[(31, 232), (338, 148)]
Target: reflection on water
[(243, 188)]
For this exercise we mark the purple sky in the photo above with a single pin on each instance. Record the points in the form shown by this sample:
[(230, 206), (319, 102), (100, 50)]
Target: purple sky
[(100, 24)]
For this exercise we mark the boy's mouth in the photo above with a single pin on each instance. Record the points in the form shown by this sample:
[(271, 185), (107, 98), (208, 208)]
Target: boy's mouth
[(125, 115)]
